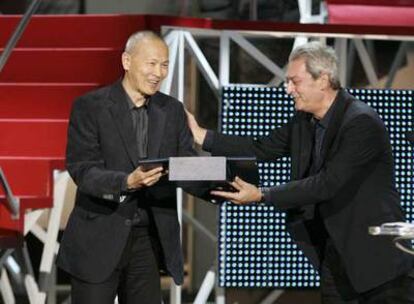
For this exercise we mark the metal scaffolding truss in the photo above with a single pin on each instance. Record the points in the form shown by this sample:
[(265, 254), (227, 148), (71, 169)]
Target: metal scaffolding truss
[(346, 46), (184, 42)]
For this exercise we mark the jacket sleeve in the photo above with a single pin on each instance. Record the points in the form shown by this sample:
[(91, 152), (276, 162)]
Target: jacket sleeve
[(265, 148), (362, 141), (186, 149), (185, 138), (84, 160)]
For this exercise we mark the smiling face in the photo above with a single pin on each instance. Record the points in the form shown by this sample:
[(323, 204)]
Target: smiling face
[(307, 92), (145, 68)]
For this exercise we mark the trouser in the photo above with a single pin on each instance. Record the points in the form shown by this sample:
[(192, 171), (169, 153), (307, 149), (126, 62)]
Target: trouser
[(337, 289), (135, 280)]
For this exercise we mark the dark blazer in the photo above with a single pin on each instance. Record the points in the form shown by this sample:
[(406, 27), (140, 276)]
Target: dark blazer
[(353, 190), (101, 152)]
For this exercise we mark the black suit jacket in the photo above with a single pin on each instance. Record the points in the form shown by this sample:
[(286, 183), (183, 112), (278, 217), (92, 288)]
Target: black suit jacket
[(101, 152), (353, 190)]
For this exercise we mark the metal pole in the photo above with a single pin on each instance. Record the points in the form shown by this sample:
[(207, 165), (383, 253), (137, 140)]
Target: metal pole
[(199, 227), (12, 201), (253, 10), (18, 33), (399, 57)]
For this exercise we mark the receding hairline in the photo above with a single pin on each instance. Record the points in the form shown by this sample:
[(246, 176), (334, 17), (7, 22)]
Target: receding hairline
[(136, 38), (318, 59)]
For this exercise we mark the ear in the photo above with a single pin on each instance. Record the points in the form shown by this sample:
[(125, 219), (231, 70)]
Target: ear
[(126, 61), (324, 82)]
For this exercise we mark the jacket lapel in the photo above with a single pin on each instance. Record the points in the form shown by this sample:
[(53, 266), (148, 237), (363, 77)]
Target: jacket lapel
[(156, 123), (306, 143), (122, 117), (343, 100)]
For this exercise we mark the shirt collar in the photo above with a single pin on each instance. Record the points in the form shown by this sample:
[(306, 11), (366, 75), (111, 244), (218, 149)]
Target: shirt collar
[(131, 104), (324, 122)]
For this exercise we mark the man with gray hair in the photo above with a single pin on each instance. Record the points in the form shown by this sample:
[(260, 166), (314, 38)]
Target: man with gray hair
[(124, 228), (342, 182)]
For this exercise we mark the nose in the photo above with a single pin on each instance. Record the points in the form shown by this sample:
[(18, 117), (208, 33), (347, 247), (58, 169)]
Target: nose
[(289, 87), (157, 71)]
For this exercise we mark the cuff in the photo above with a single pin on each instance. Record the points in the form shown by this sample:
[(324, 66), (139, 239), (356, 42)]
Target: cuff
[(266, 198), (124, 186)]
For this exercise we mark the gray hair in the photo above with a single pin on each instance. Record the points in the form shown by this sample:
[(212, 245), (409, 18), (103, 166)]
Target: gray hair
[(319, 59), (137, 37)]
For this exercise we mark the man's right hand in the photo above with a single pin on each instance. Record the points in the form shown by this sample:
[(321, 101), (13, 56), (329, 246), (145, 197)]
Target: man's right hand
[(199, 133), (140, 178)]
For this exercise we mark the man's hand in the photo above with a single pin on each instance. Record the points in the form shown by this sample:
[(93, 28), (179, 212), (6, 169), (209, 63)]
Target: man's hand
[(246, 193), (140, 178), (199, 133)]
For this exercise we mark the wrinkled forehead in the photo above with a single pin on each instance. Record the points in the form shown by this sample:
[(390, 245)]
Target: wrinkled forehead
[(296, 68)]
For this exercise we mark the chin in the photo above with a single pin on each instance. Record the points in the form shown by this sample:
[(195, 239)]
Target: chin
[(150, 92)]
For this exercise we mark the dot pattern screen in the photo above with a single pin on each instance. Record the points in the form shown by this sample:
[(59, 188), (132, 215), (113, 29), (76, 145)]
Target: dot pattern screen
[(255, 249)]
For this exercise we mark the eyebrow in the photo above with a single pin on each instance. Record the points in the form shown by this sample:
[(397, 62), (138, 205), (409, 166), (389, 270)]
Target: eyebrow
[(292, 78), (155, 59)]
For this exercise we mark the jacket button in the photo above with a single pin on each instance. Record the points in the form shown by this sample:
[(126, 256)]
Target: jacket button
[(128, 222)]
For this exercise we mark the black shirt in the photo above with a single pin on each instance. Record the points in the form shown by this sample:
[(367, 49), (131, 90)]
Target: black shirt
[(319, 134), (317, 227), (140, 122), (139, 117)]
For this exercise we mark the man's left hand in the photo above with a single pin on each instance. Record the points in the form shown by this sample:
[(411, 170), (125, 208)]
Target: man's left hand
[(246, 193)]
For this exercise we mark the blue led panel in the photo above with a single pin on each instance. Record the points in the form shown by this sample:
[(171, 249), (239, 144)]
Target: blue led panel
[(255, 250)]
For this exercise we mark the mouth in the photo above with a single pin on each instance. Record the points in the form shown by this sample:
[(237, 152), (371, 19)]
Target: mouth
[(296, 101), (154, 83)]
